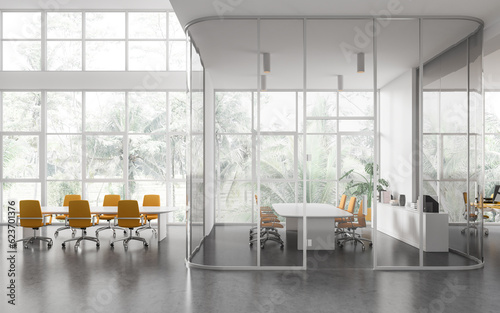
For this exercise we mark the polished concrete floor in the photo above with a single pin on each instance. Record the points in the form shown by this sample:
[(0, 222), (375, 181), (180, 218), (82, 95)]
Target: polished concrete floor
[(155, 279)]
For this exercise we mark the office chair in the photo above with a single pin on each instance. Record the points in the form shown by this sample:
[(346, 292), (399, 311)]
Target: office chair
[(129, 217), (472, 218), (109, 200), (67, 199), (31, 216), (269, 224), (352, 226), (339, 220), (80, 217), (149, 200)]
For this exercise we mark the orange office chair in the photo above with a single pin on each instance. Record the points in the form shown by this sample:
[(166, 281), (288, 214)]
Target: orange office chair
[(67, 199), (149, 200), (342, 202), (269, 224), (352, 226), (339, 220), (30, 215), (109, 200), (80, 217), (129, 217), (472, 218)]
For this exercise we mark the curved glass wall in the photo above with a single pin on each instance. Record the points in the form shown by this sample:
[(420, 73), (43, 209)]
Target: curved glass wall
[(294, 113)]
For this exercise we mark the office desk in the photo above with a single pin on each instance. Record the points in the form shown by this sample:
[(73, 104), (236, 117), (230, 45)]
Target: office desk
[(162, 212), (320, 223)]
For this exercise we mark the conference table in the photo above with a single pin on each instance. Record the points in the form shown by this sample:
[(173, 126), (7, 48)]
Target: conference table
[(320, 219), (162, 212)]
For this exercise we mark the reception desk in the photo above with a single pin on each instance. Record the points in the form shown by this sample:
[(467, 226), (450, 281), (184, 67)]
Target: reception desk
[(402, 223)]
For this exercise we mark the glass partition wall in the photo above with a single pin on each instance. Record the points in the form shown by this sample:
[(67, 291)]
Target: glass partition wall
[(298, 112)]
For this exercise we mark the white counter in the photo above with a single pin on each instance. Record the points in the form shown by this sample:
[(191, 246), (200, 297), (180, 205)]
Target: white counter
[(402, 223)]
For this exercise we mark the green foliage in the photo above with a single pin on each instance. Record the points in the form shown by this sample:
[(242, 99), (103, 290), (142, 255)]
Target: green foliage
[(365, 187)]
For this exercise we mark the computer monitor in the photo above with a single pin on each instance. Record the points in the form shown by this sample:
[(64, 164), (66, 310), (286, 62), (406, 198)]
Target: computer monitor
[(496, 193)]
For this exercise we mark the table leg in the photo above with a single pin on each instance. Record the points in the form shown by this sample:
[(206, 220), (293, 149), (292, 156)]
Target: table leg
[(162, 226)]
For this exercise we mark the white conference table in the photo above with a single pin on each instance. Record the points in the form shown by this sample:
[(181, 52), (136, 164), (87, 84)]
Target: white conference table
[(320, 223), (162, 212)]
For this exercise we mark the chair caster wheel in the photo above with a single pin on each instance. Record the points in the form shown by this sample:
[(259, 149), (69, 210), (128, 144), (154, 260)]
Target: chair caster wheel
[(251, 244), (49, 245), (25, 246), (124, 232), (84, 232), (282, 246), (463, 231), (63, 245), (341, 245), (146, 244), (72, 235), (363, 248), (486, 233), (262, 246), (114, 235), (136, 233), (112, 245), (371, 244), (56, 233), (97, 245)]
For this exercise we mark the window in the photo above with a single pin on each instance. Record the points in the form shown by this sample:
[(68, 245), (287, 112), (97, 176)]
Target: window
[(92, 41)]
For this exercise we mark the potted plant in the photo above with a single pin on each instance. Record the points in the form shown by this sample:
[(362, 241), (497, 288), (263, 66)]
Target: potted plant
[(364, 186)]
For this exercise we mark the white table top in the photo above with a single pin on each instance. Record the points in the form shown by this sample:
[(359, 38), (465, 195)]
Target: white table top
[(110, 209), (312, 210)]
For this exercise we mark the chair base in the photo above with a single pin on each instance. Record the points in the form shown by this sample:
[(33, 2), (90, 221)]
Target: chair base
[(110, 227), (474, 227), (354, 238), (127, 239), (32, 239), (268, 235), (82, 237), (73, 231), (146, 227)]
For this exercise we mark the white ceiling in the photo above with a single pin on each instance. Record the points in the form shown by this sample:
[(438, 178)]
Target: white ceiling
[(229, 47)]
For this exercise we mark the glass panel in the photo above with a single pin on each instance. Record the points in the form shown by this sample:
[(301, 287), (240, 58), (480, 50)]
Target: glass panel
[(356, 152), (455, 157), (356, 103), (278, 111), (105, 111), (177, 105), (19, 191), (174, 27), (147, 157), (57, 190), (64, 112), (323, 151), (235, 157), (104, 157), (178, 148), (277, 158), (64, 55), (21, 111), (137, 190), (105, 55), (431, 111), (176, 55), (147, 112), (151, 25), (322, 104), (109, 25), (430, 154), (321, 126), (233, 112), (20, 157), (147, 56), (355, 126), (492, 112), (21, 25), (178, 198), (235, 199), (96, 191), (64, 157), (22, 55), (64, 25)]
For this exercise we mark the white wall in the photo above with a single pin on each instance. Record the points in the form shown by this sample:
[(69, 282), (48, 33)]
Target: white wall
[(209, 154), (396, 136)]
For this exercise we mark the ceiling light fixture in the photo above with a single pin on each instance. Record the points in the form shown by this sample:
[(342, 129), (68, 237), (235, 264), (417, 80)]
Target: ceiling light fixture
[(361, 62), (266, 62), (340, 82), (263, 83)]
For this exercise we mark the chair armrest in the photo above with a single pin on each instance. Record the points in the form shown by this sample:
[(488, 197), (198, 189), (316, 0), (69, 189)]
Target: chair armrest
[(50, 220)]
